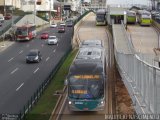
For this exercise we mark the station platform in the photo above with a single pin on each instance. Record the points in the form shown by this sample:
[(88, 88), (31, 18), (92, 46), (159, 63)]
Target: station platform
[(120, 39)]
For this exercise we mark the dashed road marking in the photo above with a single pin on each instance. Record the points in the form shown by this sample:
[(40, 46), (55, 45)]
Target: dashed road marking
[(36, 70), (19, 86), (47, 58), (14, 70), (21, 52), (10, 59)]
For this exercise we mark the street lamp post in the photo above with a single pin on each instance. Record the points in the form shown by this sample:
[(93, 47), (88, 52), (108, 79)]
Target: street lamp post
[(50, 12), (35, 11)]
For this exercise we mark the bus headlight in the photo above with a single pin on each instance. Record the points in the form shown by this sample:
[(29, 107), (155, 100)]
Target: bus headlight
[(102, 102), (70, 102)]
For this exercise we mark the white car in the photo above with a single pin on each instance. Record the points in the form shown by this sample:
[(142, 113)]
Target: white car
[(1, 19), (52, 40), (53, 25)]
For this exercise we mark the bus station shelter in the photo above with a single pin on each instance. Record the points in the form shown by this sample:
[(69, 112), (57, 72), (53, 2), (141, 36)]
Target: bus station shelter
[(115, 15)]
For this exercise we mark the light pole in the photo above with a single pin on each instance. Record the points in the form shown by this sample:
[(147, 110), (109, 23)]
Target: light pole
[(50, 12), (12, 13), (35, 11)]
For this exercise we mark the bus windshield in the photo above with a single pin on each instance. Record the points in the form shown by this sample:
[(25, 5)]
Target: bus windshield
[(22, 31), (86, 88), (100, 17)]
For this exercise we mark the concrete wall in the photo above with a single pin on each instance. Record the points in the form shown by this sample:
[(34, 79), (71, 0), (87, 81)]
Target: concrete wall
[(75, 40)]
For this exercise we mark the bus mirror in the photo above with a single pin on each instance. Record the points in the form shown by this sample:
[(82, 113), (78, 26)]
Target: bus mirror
[(66, 82)]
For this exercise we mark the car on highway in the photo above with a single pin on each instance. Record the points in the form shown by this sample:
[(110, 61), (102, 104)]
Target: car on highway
[(53, 25), (34, 55), (0, 24), (52, 40), (62, 24), (61, 29), (7, 16), (69, 23), (1, 18), (44, 35)]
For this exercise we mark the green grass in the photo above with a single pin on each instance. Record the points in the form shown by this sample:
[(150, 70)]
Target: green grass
[(47, 102)]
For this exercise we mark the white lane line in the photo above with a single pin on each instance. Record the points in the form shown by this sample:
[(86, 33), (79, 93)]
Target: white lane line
[(47, 59), (11, 59), (36, 70), (21, 52), (19, 86), (14, 70), (54, 50), (42, 45)]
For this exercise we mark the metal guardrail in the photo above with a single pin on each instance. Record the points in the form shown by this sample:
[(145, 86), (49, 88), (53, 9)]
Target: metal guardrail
[(142, 81)]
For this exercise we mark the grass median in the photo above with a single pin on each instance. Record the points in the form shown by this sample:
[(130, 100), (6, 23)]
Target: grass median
[(44, 107)]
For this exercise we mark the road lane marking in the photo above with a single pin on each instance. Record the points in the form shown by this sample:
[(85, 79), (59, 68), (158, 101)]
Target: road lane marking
[(42, 45), (19, 86), (47, 59), (21, 52), (11, 59), (54, 50), (14, 70), (36, 70)]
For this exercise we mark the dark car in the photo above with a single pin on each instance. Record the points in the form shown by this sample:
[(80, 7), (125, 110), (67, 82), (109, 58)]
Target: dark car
[(44, 36), (69, 23), (0, 24), (33, 56), (7, 16), (61, 29)]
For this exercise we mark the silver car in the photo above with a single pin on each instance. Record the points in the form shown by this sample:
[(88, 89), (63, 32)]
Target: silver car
[(52, 40)]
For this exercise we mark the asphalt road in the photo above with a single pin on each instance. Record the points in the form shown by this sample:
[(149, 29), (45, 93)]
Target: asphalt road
[(18, 80)]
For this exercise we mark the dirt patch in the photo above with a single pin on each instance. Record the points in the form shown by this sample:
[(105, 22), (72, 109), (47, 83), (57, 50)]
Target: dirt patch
[(123, 100)]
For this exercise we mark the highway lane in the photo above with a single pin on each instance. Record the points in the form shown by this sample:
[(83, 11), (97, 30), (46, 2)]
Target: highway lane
[(18, 80)]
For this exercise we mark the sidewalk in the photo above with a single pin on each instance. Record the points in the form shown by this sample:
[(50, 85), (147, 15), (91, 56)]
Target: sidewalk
[(5, 44)]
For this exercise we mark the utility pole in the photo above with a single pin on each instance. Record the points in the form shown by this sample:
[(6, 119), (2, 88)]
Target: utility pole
[(50, 12), (35, 11), (4, 8)]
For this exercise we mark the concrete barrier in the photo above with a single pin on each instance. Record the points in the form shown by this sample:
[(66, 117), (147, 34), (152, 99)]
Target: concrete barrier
[(76, 41)]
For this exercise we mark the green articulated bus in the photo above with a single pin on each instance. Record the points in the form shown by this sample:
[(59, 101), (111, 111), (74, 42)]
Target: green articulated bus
[(86, 80), (131, 17), (144, 17)]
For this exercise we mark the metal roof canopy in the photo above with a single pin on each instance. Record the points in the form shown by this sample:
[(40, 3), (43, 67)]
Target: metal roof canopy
[(116, 11)]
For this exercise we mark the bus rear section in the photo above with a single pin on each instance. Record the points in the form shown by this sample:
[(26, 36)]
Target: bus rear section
[(131, 17), (144, 17), (25, 32), (101, 17)]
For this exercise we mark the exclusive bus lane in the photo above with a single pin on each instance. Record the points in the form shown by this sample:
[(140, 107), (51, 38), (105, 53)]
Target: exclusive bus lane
[(18, 87)]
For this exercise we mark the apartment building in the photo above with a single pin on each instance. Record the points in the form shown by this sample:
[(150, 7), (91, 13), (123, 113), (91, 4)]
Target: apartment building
[(7, 5), (98, 2)]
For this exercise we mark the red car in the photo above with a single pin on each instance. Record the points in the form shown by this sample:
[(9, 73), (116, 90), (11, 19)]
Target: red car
[(61, 29), (44, 36), (7, 16)]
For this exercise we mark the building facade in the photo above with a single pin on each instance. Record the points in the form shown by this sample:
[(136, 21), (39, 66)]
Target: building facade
[(8, 5)]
